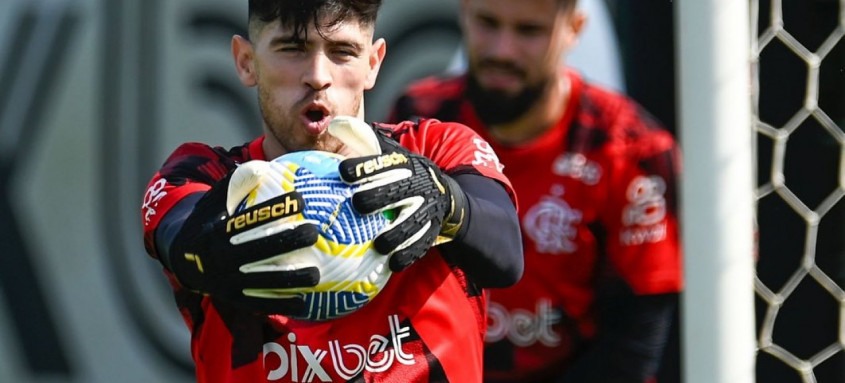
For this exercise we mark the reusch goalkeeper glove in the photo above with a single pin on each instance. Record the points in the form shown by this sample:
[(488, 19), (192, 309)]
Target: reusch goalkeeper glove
[(217, 249), (428, 204)]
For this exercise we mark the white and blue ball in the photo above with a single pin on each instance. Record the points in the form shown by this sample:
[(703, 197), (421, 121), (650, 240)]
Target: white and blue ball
[(352, 273)]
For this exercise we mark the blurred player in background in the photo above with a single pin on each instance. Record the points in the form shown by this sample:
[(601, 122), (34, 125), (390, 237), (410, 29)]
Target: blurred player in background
[(311, 61), (595, 177)]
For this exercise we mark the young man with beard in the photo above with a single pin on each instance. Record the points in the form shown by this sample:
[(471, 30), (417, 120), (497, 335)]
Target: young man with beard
[(595, 177), (310, 61)]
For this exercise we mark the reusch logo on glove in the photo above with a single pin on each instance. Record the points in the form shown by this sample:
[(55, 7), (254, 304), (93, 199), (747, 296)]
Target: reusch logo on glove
[(379, 163), (271, 209)]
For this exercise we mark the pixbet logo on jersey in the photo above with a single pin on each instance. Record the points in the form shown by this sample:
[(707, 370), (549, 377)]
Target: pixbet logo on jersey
[(300, 363)]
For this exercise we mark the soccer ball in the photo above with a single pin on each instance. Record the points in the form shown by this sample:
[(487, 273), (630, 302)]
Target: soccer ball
[(351, 272)]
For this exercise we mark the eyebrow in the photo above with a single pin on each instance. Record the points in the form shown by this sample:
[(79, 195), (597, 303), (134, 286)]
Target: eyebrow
[(289, 39), (286, 39)]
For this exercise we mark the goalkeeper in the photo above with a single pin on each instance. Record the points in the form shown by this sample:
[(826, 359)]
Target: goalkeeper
[(311, 61)]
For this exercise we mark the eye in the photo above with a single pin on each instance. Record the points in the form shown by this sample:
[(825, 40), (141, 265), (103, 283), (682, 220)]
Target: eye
[(530, 30), (487, 22), (291, 47), (347, 51)]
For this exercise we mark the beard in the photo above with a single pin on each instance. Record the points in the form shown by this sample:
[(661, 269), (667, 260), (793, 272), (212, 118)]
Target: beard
[(495, 107)]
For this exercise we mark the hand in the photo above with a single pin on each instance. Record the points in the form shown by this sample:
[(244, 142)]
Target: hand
[(428, 203), (228, 255)]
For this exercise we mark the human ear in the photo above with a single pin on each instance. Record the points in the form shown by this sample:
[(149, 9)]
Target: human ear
[(376, 57), (577, 21), (244, 56)]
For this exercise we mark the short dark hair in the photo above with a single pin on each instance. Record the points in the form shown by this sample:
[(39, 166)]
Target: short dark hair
[(298, 14)]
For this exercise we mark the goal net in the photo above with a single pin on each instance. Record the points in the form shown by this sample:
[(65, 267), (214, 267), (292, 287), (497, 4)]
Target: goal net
[(763, 210), (798, 80)]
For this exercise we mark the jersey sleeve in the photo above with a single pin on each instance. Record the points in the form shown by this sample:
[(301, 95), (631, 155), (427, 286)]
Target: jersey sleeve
[(642, 215), (455, 148), (191, 168)]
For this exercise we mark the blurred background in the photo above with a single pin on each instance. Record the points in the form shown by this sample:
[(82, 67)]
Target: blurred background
[(95, 93)]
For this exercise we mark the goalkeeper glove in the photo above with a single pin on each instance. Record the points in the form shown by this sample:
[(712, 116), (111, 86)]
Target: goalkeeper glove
[(429, 204), (225, 254)]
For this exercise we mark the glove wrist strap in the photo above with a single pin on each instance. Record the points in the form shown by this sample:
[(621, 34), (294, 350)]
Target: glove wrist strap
[(453, 221)]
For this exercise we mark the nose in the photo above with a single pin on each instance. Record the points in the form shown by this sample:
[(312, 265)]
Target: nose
[(505, 45), (318, 75)]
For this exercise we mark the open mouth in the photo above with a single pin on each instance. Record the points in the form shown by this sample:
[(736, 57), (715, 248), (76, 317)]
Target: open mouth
[(315, 114), (316, 118)]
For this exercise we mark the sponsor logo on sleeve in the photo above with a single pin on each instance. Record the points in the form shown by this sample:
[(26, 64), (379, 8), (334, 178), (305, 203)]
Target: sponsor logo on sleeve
[(485, 156), (154, 194), (643, 218)]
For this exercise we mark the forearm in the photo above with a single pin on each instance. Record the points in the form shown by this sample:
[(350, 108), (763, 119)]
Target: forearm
[(488, 246), (630, 352), (170, 225)]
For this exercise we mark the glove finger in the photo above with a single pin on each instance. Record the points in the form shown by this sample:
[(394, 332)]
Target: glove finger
[(413, 219), (279, 279), (402, 258), (285, 241), (402, 194), (373, 200), (244, 179), (286, 306), (378, 195), (356, 134), (407, 230), (258, 180)]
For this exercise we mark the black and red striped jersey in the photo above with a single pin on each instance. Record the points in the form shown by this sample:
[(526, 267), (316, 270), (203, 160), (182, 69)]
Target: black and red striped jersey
[(597, 207), (426, 325)]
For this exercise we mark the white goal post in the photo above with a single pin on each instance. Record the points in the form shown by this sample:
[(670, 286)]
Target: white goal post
[(717, 190)]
